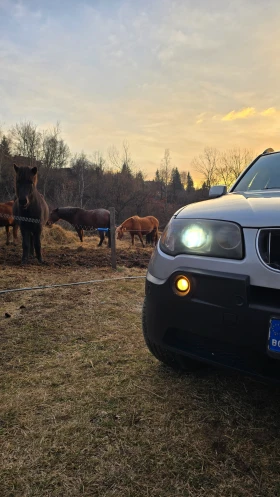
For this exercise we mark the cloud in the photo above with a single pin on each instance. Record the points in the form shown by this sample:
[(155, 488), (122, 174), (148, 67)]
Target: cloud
[(20, 11), (248, 112), (161, 74), (269, 112), (200, 118), (241, 114)]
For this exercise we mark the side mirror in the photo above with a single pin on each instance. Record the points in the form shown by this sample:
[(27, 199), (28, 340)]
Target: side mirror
[(217, 191), (268, 151)]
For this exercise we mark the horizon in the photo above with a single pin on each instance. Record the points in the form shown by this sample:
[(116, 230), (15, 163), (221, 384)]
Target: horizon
[(174, 75)]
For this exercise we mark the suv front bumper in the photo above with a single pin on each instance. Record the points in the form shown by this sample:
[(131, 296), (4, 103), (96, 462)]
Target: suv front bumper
[(223, 320)]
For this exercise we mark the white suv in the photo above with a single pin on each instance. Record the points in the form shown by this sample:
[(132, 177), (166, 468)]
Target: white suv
[(213, 282)]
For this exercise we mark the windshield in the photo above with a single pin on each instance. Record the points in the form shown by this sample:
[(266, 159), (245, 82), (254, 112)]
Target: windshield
[(263, 175)]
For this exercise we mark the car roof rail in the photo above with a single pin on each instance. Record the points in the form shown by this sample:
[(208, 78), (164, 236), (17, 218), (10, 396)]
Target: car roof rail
[(268, 151)]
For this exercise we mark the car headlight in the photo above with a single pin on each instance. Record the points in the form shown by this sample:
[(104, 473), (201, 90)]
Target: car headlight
[(202, 237)]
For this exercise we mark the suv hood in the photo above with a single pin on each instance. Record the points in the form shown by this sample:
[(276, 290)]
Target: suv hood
[(250, 210)]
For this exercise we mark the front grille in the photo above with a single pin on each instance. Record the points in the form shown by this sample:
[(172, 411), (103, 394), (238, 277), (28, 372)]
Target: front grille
[(266, 299), (269, 247)]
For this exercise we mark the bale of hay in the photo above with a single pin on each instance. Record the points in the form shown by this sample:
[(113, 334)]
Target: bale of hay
[(55, 234)]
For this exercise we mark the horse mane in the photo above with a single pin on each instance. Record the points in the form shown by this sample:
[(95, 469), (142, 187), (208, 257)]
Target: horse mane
[(125, 221)]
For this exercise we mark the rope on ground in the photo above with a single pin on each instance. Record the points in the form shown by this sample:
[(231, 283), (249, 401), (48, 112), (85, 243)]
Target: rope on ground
[(58, 285)]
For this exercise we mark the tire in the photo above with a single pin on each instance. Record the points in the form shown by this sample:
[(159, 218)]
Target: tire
[(175, 361)]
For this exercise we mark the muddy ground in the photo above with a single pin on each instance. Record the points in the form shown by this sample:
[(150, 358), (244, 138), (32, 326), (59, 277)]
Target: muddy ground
[(62, 248)]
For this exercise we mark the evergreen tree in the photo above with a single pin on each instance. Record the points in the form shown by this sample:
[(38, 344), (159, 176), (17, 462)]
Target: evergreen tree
[(140, 183), (176, 185), (139, 177), (159, 179), (6, 169), (157, 176), (126, 169), (190, 184), (205, 186), (5, 150)]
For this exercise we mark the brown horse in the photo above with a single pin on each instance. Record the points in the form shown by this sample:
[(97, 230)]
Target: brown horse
[(140, 226), (31, 209), (82, 219), (7, 220)]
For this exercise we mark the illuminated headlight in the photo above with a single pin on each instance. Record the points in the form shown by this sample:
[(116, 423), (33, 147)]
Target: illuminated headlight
[(195, 236), (202, 237)]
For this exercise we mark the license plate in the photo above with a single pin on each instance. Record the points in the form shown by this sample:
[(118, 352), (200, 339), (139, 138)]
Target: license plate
[(274, 336)]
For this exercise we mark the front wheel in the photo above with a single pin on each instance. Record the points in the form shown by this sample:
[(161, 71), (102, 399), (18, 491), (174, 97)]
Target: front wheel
[(175, 361)]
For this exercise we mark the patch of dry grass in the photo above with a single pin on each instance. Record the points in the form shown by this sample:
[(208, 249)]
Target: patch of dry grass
[(87, 411), (55, 234)]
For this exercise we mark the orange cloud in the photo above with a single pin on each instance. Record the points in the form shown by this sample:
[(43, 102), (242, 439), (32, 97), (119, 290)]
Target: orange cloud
[(241, 114), (269, 112)]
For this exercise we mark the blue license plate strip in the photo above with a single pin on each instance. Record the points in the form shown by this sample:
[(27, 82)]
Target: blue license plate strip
[(274, 335)]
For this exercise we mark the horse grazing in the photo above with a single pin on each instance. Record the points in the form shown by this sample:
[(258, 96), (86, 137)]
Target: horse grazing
[(32, 210), (83, 220), (140, 226), (7, 220)]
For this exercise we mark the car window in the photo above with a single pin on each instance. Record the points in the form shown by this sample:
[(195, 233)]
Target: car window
[(264, 174)]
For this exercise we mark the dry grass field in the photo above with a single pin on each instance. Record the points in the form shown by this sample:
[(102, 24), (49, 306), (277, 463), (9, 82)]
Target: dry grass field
[(85, 410)]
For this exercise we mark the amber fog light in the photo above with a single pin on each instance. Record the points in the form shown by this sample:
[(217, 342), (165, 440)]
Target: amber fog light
[(182, 285)]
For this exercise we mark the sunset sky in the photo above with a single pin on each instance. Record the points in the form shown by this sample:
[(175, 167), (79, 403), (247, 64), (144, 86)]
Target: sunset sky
[(177, 74)]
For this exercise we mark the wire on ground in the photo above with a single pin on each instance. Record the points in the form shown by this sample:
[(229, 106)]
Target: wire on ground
[(58, 285)]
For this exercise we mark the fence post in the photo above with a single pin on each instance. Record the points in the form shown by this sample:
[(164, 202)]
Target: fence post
[(113, 237)]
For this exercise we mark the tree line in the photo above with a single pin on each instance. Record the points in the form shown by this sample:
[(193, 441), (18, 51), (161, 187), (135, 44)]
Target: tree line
[(92, 182)]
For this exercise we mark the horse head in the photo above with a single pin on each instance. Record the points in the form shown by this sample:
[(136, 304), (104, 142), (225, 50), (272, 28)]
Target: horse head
[(26, 180), (120, 231), (53, 217)]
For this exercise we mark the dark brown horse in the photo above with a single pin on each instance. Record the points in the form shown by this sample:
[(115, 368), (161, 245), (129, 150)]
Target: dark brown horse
[(82, 219), (31, 211), (7, 220), (139, 226)]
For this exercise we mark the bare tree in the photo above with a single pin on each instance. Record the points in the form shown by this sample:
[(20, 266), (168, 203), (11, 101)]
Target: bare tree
[(165, 173), (207, 165), (26, 140), (114, 158), (81, 165), (120, 160), (232, 163), (236, 160), (55, 153), (98, 160)]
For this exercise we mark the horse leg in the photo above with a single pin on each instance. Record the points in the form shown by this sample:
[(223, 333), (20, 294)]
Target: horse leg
[(37, 245), (152, 237), (109, 238), (141, 238), (132, 239), (101, 236), (15, 233), (156, 236), (80, 233), (25, 245), (148, 239), (31, 246), (7, 234)]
